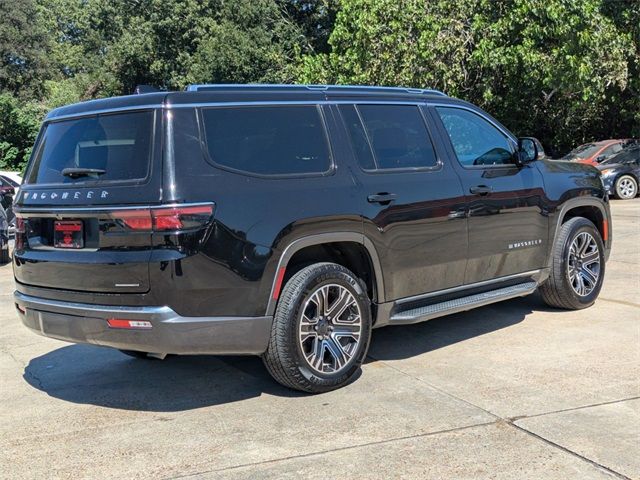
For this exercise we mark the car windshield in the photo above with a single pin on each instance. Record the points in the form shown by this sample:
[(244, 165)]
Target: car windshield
[(583, 151), (10, 181)]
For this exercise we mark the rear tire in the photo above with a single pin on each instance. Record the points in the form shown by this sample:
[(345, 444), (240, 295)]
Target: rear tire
[(321, 329), (577, 268), (4, 255), (626, 187)]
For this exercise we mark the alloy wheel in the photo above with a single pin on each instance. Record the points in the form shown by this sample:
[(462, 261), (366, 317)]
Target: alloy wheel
[(583, 264), (330, 328), (626, 188)]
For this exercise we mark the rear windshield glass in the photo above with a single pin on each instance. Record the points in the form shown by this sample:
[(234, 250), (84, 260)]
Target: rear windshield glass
[(98, 148), (285, 140)]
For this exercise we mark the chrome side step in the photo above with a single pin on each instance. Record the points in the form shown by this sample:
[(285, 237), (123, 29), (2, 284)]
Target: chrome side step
[(420, 314)]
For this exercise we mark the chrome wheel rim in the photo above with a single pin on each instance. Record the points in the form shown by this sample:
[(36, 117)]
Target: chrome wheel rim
[(330, 329), (626, 188), (583, 264)]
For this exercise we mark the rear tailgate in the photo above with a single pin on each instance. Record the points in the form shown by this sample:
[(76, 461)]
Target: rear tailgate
[(87, 175)]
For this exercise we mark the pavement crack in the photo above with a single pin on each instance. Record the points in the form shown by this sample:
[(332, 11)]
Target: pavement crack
[(444, 392), (610, 402), (570, 452), (339, 449), (621, 302), (510, 421)]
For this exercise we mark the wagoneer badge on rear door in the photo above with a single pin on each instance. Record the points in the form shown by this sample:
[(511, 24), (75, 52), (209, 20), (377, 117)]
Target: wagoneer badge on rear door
[(65, 195)]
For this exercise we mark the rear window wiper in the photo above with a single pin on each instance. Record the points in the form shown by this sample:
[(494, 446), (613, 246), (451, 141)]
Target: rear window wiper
[(82, 172)]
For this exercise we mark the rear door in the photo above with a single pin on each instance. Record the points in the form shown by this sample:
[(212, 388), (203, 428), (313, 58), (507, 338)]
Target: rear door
[(508, 221), (412, 201), (83, 191)]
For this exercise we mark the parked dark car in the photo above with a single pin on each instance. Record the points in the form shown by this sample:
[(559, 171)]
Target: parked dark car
[(621, 172), (4, 236), (288, 221)]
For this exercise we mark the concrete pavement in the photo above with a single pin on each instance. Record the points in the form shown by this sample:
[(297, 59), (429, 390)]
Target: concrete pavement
[(512, 390)]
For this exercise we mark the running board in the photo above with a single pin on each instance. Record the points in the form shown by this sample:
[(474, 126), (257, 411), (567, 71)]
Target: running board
[(421, 314)]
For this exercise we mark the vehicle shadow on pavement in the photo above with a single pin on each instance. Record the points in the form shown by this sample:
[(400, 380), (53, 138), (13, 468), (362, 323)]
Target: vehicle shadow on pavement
[(87, 374), (405, 341), (105, 377)]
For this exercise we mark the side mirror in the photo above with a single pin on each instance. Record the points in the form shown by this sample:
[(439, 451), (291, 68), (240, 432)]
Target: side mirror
[(527, 150), (600, 158)]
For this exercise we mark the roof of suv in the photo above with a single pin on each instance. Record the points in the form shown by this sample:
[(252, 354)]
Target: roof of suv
[(195, 94)]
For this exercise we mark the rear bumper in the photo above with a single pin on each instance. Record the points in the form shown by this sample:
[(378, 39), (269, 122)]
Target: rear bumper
[(169, 332)]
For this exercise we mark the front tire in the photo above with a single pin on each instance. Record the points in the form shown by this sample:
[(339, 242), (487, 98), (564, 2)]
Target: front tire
[(321, 329), (577, 268), (626, 187)]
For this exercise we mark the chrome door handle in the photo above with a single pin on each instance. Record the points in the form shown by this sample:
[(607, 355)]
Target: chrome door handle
[(481, 190), (382, 198)]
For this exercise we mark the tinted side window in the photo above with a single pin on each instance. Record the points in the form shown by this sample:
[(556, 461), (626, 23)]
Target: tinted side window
[(267, 140), (475, 141), (398, 135), (359, 142)]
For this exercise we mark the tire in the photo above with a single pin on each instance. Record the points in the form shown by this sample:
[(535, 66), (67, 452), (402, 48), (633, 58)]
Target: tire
[(4, 255), (305, 350), (136, 354), (626, 187), (571, 283)]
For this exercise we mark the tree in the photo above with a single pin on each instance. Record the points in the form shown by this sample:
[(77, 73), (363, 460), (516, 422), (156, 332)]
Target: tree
[(23, 49), (551, 69), (19, 124), (315, 18), (114, 45)]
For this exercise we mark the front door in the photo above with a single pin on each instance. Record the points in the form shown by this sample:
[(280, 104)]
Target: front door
[(508, 224)]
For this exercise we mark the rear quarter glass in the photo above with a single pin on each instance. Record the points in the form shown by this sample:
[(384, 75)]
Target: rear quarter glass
[(120, 144), (276, 141)]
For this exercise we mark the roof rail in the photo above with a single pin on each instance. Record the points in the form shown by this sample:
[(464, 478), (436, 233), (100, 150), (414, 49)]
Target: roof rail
[(141, 89), (324, 88)]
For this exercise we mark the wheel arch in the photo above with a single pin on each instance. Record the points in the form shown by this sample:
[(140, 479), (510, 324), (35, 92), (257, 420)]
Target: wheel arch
[(593, 209), (345, 248)]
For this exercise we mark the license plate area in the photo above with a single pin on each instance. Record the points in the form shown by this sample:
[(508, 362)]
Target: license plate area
[(68, 234)]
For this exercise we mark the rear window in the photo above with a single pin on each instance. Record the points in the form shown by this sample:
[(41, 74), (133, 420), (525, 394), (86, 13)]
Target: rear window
[(113, 147), (287, 140)]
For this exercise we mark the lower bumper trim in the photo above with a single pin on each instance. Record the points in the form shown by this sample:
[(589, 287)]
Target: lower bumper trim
[(169, 332)]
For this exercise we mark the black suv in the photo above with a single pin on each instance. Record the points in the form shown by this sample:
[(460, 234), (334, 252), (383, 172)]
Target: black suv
[(288, 221)]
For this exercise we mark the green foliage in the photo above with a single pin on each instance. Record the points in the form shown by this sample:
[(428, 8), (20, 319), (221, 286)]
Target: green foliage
[(23, 48), (566, 71), (19, 123), (562, 70)]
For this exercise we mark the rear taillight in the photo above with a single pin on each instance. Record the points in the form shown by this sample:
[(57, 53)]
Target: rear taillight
[(163, 219), (20, 232)]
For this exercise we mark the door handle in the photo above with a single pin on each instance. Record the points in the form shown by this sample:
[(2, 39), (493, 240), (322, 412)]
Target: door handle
[(481, 190), (382, 198)]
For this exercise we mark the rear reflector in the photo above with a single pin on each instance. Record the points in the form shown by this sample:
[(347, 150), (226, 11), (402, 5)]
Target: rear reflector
[(121, 323), (605, 230), (163, 219), (279, 279), (21, 309)]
